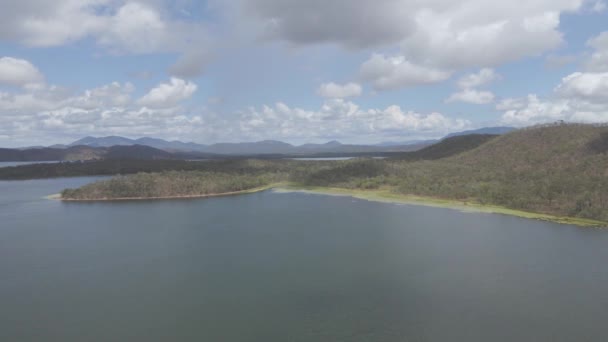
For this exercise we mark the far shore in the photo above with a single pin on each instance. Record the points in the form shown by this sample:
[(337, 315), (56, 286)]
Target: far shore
[(230, 193), (390, 197), (376, 196)]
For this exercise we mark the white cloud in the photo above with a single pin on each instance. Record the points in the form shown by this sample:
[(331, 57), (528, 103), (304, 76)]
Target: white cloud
[(51, 114), (484, 76), (168, 94), (118, 26), (19, 72), (333, 90), (472, 96), (580, 97), (441, 33), (136, 27), (598, 61), (338, 118), (396, 72), (531, 110), (591, 87), (599, 6), (50, 23), (110, 95), (467, 85)]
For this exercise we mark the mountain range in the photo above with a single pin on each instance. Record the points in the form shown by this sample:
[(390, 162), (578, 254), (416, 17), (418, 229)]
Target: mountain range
[(116, 147), (273, 146)]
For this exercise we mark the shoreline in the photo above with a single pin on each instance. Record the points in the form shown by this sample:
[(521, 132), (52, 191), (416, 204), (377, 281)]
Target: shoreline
[(383, 196), (119, 199)]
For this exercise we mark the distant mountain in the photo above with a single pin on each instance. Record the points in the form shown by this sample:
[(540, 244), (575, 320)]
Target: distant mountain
[(174, 145), (194, 150), (244, 148), (407, 142), (137, 152), (103, 141)]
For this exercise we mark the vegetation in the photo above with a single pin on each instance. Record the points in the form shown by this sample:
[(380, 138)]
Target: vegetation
[(169, 184), (559, 170)]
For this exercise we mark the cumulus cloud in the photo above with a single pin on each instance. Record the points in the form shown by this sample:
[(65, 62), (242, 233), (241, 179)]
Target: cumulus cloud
[(472, 96), (442, 34), (333, 90), (468, 84), (119, 26), (19, 72), (599, 58), (591, 87), (338, 118), (484, 76), (51, 114), (580, 97), (168, 94), (352, 23), (396, 72)]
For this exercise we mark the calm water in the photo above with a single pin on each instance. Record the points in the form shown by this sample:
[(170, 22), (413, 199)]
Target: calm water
[(6, 164), (290, 267), (331, 158)]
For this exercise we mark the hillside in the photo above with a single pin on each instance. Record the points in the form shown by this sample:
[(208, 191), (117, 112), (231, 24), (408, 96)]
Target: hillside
[(561, 170), (448, 147)]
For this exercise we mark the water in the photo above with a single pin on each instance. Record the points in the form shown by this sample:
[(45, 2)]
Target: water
[(290, 267), (332, 158), (7, 164)]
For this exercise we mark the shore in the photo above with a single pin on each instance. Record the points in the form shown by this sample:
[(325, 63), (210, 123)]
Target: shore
[(230, 193), (373, 195), (389, 197)]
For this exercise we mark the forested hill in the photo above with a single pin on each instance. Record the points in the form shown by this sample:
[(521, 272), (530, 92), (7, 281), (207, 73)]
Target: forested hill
[(448, 147), (558, 169)]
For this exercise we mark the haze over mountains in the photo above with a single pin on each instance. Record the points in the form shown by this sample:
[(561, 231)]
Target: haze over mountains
[(116, 147), (273, 146)]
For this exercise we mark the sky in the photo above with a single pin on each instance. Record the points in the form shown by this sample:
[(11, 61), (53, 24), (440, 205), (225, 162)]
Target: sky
[(357, 71)]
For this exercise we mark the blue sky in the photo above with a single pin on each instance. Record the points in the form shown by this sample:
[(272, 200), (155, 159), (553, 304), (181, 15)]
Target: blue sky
[(359, 71)]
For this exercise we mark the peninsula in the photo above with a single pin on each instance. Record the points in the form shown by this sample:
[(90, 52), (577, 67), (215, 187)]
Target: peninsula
[(555, 172)]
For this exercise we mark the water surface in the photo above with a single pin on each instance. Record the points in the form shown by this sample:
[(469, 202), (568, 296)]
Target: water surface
[(290, 267), (7, 164)]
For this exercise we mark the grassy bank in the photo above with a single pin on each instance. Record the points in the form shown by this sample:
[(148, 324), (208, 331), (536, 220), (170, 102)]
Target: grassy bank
[(387, 196)]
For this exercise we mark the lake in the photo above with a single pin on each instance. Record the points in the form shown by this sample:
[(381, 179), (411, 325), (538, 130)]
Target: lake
[(290, 267), (331, 158), (7, 164)]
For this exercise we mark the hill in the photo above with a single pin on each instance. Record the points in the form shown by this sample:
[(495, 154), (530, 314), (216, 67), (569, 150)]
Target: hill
[(137, 152), (448, 147), (558, 170), (485, 130)]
